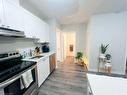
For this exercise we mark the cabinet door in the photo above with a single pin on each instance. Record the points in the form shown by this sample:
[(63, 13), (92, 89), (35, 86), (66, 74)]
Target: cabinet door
[(1, 14), (43, 70), (46, 32), (43, 31), (52, 62), (40, 29), (41, 73), (47, 67), (13, 15), (33, 26), (30, 24)]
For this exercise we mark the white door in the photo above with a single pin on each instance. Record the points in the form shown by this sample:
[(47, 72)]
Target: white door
[(58, 41), (60, 45), (13, 15)]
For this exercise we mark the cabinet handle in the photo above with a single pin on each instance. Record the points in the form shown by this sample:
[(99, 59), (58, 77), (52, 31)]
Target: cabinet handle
[(8, 26), (3, 25)]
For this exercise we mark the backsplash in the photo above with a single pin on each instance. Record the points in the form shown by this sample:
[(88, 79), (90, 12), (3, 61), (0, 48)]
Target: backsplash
[(7, 45), (26, 52)]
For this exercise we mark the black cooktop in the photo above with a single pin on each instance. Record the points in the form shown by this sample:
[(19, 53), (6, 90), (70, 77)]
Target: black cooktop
[(11, 67)]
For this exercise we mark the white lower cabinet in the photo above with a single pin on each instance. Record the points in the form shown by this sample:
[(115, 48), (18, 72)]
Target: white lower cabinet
[(43, 70)]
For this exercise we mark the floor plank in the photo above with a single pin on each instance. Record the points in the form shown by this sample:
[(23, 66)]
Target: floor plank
[(67, 79)]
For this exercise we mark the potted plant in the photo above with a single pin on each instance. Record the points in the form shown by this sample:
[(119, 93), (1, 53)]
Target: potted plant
[(108, 58), (103, 49), (79, 57)]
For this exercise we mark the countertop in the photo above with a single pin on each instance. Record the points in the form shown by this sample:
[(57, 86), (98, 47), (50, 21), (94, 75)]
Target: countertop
[(37, 59), (105, 85)]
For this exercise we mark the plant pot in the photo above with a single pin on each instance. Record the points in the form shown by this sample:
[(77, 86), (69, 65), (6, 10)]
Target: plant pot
[(108, 61), (102, 55), (80, 62)]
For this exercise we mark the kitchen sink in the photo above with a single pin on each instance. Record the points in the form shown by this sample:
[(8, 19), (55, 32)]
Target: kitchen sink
[(36, 57)]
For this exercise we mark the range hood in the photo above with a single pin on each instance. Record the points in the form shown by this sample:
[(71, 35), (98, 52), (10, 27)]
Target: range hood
[(11, 32)]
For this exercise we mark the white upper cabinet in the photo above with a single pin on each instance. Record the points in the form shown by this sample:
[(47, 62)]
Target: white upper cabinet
[(13, 16), (35, 27), (47, 32), (30, 24), (1, 14), (44, 34)]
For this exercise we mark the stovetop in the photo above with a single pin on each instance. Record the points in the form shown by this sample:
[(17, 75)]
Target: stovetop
[(13, 66)]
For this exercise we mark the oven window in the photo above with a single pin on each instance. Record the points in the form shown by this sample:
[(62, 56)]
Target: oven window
[(15, 87)]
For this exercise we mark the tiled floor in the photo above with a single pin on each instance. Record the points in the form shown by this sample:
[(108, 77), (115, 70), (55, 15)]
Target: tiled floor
[(67, 79)]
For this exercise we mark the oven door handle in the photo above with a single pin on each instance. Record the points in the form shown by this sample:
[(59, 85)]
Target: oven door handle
[(6, 83), (11, 80)]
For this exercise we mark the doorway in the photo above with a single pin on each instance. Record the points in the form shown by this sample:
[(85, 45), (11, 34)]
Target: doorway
[(69, 45), (66, 46)]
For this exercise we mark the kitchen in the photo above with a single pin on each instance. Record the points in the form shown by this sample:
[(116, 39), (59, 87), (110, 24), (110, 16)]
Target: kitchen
[(26, 59), (33, 63)]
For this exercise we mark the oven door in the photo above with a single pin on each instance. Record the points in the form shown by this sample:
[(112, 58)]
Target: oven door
[(13, 85)]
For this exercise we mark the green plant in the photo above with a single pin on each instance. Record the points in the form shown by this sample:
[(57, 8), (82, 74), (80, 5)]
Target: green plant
[(104, 48), (79, 56), (108, 56)]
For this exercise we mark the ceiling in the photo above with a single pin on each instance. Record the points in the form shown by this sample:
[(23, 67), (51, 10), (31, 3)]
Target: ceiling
[(74, 11)]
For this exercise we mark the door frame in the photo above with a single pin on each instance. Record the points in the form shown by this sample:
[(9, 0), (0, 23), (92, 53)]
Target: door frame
[(61, 45)]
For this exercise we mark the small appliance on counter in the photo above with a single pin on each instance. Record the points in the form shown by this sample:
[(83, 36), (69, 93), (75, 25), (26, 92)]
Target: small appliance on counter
[(45, 47), (37, 51)]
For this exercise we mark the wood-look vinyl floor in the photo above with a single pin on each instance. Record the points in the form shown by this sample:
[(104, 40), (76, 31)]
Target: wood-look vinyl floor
[(67, 79)]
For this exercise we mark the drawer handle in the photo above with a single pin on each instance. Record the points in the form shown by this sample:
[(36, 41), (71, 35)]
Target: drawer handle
[(3, 25), (8, 26)]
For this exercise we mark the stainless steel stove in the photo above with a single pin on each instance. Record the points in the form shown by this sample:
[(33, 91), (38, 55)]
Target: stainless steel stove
[(11, 69)]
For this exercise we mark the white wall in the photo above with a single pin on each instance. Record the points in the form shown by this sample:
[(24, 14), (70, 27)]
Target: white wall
[(16, 2), (80, 30), (26, 5), (108, 29), (53, 25)]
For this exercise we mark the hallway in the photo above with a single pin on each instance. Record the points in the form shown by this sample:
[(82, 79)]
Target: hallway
[(67, 79)]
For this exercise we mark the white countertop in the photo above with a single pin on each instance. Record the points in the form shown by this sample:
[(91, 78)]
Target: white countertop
[(105, 85), (37, 59)]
